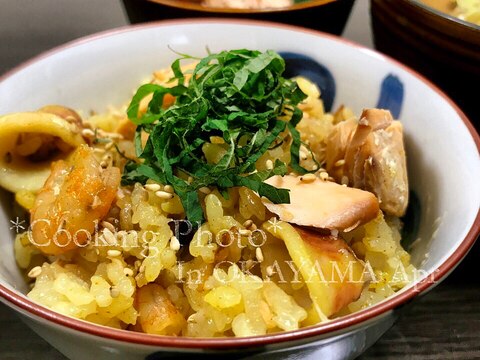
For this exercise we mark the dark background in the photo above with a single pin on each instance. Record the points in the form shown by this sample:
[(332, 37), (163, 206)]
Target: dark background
[(443, 324)]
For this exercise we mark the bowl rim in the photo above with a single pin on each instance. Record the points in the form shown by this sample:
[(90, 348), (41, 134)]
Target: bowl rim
[(197, 6), (342, 323)]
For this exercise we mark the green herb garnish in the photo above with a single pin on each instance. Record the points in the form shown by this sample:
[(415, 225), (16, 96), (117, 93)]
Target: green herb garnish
[(238, 95)]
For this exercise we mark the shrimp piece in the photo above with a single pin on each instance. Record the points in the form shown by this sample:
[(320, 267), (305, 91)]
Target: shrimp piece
[(157, 314), (76, 196)]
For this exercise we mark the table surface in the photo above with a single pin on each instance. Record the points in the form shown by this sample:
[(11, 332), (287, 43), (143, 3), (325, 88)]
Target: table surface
[(443, 324)]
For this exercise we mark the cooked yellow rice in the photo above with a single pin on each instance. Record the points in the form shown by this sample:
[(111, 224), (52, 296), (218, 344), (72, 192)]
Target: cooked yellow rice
[(212, 288)]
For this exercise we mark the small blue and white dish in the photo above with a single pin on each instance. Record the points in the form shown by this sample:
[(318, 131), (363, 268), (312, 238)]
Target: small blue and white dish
[(442, 150)]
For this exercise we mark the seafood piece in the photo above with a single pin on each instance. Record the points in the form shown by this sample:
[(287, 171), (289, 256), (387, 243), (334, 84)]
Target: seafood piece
[(157, 314), (370, 155), (333, 274), (77, 195), (323, 204), (30, 141)]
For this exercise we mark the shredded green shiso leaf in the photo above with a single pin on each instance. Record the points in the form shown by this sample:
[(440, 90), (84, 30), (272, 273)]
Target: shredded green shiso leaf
[(238, 95)]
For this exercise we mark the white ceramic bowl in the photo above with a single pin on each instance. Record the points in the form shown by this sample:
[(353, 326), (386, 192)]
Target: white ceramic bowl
[(442, 148)]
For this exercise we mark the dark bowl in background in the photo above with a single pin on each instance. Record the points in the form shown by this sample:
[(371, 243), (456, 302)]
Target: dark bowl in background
[(325, 15), (443, 48)]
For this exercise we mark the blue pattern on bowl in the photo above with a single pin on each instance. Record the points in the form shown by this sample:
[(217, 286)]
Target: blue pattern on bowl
[(303, 65), (391, 95), (391, 90)]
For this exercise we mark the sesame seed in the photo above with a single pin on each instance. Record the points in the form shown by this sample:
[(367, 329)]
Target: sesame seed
[(253, 227), (168, 189), (109, 134), (109, 145), (269, 270), (35, 272), (334, 232), (114, 253), (163, 195), (269, 164), (205, 190), (190, 180), (303, 155), (142, 268), (340, 162), (174, 243), (108, 226), (107, 158), (114, 292), (249, 263), (104, 164), (244, 232), (259, 254), (109, 237), (128, 271), (152, 187), (248, 223), (324, 175), (88, 133), (99, 150), (308, 178), (115, 136)]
